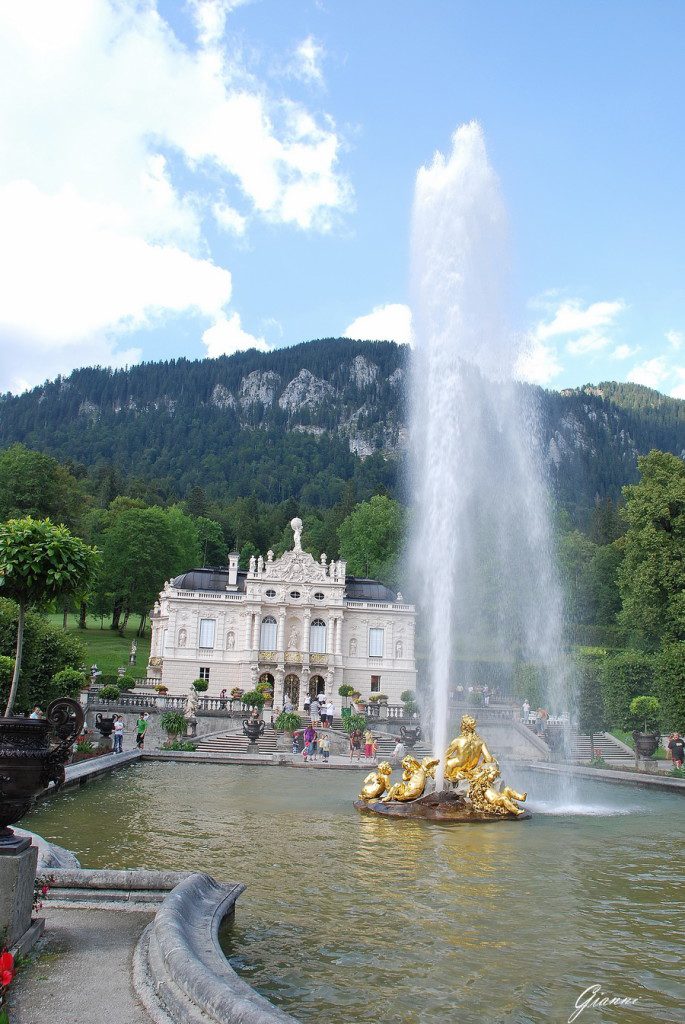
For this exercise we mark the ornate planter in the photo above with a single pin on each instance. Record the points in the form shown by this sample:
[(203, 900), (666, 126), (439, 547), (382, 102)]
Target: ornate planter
[(253, 728), (410, 735), (32, 754), (646, 743), (104, 725)]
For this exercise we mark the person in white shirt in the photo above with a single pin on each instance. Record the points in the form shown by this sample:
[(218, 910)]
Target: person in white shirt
[(118, 735), (525, 711), (330, 708), (36, 713)]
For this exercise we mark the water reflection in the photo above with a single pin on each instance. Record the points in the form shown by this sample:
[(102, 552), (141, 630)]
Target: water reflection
[(353, 918)]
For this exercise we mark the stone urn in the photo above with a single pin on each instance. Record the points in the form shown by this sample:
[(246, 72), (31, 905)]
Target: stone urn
[(33, 753), (646, 743), (253, 728), (410, 735), (104, 725)]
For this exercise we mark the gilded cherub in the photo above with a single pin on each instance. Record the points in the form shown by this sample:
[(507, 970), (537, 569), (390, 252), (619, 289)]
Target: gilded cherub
[(484, 797), (414, 778), (464, 753), (376, 782)]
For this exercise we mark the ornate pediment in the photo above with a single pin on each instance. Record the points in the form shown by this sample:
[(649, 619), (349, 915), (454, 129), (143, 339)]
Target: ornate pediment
[(296, 567)]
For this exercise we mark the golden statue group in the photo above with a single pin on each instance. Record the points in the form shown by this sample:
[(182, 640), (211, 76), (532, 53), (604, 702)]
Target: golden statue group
[(468, 760)]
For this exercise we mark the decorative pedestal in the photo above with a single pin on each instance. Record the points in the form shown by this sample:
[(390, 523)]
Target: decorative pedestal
[(18, 861)]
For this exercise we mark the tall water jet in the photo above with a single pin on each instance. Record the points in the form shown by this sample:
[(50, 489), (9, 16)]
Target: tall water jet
[(481, 545)]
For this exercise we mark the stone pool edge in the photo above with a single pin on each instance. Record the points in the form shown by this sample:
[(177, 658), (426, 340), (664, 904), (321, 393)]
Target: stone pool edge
[(625, 778), (179, 968)]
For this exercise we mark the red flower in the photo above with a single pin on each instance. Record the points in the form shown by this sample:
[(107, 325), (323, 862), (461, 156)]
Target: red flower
[(5, 978), (45, 890), (6, 961)]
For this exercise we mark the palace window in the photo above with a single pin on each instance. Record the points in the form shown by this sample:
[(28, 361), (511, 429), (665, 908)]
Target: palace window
[(375, 684), (318, 596), (317, 637), (267, 636), (204, 674), (295, 594), (376, 641), (270, 593), (207, 628)]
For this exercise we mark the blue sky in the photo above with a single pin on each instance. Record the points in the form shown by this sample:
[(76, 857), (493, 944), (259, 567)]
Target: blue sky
[(194, 178)]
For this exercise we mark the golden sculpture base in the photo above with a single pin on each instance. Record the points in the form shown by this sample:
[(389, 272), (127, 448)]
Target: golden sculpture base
[(447, 807)]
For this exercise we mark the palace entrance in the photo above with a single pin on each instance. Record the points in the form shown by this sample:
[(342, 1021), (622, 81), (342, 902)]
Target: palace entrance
[(316, 685), (291, 688)]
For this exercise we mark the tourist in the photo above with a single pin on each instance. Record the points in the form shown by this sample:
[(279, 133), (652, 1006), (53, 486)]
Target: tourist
[(314, 710), (118, 734), (325, 748), (486, 696), (323, 712), (307, 705), (36, 713), (309, 739), (287, 704), (141, 729), (398, 753), (355, 744), (330, 708), (677, 748), (296, 744), (369, 744), (525, 711)]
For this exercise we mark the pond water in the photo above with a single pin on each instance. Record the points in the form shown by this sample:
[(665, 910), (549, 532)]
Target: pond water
[(348, 918)]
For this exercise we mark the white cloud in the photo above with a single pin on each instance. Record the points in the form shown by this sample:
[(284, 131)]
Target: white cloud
[(226, 336), (116, 140), (307, 60), (538, 363), (228, 218), (679, 390), (651, 373), (625, 351), (391, 322), (571, 318), (675, 339)]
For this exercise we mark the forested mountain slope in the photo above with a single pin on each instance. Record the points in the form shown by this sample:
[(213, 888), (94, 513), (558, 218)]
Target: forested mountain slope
[(302, 421)]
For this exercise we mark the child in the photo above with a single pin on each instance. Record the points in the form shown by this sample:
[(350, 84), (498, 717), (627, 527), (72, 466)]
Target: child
[(325, 745)]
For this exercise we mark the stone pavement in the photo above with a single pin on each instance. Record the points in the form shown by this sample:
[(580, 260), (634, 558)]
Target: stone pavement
[(80, 973)]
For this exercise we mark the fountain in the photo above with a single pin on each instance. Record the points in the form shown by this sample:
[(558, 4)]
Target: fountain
[(471, 789), (481, 545)]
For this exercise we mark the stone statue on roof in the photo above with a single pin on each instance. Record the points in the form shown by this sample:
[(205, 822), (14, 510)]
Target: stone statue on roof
[(296, 525)]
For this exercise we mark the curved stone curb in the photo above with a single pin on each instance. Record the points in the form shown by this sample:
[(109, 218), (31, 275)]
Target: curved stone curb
[(49, 854), (179, 969)]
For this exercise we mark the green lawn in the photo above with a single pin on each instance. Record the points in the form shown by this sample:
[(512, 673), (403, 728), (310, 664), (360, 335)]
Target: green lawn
[(106, 648)]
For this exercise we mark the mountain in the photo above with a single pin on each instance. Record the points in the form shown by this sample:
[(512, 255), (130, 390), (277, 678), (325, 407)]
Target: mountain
[(302, 421)]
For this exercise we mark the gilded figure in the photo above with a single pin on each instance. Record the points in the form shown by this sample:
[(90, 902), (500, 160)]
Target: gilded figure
[(415, 775), (466, 752), (376, 782), (484, 797)]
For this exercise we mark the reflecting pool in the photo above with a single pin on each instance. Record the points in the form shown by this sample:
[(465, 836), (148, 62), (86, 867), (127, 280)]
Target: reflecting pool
[(351, 918)]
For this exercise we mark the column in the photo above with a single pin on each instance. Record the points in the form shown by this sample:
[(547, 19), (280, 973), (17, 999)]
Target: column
[(329, 636), (305, 630), (338, 636), (255, 631), (280, 633)]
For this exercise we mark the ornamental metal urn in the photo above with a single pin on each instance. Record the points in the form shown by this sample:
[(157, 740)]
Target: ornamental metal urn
[(104, 725), (410, 735), (646, 743), (253, 728), (33, 752)]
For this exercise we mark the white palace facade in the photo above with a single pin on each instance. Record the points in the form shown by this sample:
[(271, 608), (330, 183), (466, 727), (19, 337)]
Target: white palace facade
[(304, 625)]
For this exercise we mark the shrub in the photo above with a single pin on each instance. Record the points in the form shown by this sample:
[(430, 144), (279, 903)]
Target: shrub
[(47, 650), (408, 697), (645, 712), (126, 682), (70, 681), (376, 698), (345, 690), (669, 686), (84, 747), (287, 721), (354, 723), (173, 723), (236, 693), (179, 745), (200, 685), (109, 693), (254, 699), (264, 686), (625, 676), (161, 688)]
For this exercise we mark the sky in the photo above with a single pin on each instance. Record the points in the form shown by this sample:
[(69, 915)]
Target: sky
[(196, 178)]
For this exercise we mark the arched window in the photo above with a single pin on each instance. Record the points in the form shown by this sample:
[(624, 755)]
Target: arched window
[(267, 637), (317, 637)]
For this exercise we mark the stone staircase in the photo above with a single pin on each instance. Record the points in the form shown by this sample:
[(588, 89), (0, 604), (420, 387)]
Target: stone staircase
[(612, 750), (236, 744)]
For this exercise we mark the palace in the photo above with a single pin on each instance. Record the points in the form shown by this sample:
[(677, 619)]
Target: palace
[(304, 625)]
